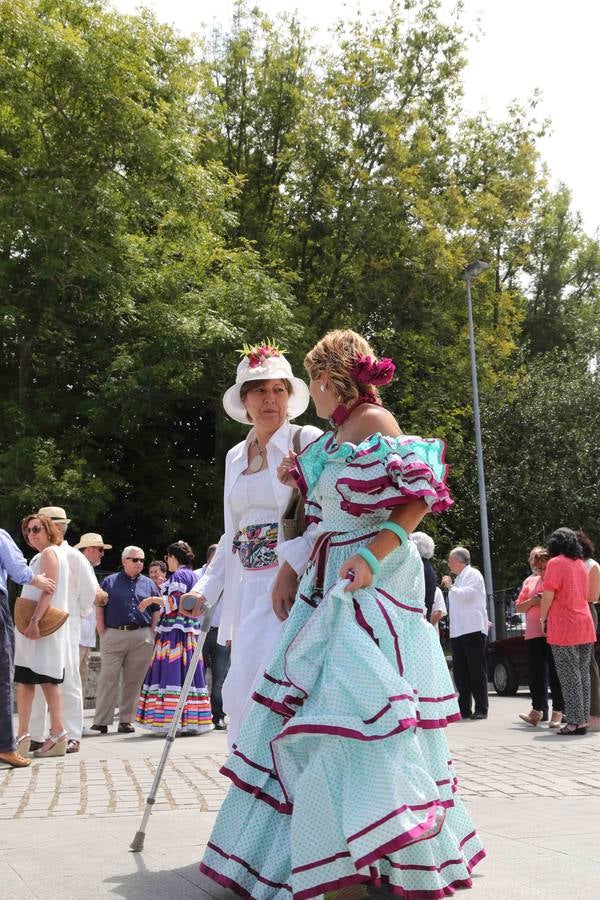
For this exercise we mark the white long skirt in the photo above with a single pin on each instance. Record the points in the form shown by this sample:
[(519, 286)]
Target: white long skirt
[(255, 632)]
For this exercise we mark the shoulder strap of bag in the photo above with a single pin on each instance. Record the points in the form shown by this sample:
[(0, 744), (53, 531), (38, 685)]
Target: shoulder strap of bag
[(296, 445)]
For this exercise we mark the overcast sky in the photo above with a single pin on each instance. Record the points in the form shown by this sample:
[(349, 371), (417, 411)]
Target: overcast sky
[(525, 44)]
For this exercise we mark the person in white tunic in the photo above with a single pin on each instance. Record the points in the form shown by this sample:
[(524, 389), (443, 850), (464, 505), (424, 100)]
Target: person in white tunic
[(43, 660), (82, 591), (252, 560)]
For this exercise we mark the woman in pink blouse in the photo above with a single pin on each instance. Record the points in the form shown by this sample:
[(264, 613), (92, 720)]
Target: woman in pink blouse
[(540, 662), (570, 629)]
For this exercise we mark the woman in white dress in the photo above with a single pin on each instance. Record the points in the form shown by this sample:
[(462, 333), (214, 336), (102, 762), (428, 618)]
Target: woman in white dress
[(42, 660), (253, 566)]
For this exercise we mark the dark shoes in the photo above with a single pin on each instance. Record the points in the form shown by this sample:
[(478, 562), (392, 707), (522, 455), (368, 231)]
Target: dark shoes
[(101, 729), (72, 746), (125, 728), (477, 716), (567, 732), (220, 726)]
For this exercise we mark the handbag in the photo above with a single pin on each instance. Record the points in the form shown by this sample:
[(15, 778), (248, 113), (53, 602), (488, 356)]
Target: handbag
[(51, 621), (293, 523)]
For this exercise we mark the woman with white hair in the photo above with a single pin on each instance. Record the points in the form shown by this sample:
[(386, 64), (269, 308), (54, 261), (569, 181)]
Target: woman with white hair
[(426, 548), (252, 553)]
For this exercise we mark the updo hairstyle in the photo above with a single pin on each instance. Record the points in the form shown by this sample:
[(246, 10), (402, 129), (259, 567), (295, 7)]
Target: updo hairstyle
[(336, 354), (182, 552)]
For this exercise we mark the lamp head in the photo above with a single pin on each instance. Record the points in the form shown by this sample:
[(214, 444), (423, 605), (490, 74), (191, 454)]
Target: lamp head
[(474, 269)]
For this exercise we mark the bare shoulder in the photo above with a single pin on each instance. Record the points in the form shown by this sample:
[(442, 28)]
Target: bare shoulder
[(373, 419)]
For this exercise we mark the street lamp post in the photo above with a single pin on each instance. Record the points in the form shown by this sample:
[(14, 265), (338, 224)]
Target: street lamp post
[(470, 272)]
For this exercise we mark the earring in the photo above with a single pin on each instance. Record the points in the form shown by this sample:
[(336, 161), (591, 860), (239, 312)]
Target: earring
[(322, 386)]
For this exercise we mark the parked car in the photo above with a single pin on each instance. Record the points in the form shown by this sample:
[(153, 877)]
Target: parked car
[(507, 663)]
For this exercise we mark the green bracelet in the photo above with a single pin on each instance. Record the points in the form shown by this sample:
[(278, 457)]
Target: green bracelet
[(397, 529), (370, 559)]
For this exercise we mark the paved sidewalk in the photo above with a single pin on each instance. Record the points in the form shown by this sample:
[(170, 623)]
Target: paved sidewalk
[(534, 797)]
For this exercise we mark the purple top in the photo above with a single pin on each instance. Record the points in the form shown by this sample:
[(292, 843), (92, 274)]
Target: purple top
[(12, 562)]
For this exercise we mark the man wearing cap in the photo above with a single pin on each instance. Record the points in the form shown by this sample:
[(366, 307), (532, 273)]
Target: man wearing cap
[(13, 564), (82, 592), (92, 547), (126, 641)]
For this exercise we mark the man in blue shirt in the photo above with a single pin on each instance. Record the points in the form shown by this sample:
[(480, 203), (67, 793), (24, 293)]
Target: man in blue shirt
[(126, 641), (13, 564)]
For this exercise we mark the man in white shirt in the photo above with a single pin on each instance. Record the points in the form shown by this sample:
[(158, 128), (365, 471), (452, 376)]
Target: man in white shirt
[(92, 547), (82, 592), (468, 633)]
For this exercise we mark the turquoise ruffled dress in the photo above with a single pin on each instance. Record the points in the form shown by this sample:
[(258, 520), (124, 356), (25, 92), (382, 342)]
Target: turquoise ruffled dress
[(342, 773)]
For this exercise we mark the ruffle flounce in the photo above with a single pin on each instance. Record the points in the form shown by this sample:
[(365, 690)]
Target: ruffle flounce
[(379, 473), (357, 774)]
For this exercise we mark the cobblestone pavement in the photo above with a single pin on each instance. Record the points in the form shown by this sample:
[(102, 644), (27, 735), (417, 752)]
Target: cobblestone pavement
[(119, 786), (113, 786)]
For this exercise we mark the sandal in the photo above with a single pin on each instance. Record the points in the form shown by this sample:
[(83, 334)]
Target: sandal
[(23, 744), (54, 745), (567, 732)]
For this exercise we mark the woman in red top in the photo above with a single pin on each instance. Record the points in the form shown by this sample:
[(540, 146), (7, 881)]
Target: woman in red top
[(540, 662), (570, 629)]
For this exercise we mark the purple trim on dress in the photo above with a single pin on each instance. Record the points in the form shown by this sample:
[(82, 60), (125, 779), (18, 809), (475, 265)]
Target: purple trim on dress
[(421, 832), (338, 731), (388, 621), (439, 723), (245, 865), (320, 862), (285, 808), (354, 540), (308, 600), (374, 878), (417, 609), (328, 886), (225, 882), (312, 520), (249, 762), (388, 706), (362, 622), (378, 715), (275, 706), (395, 812), (276, 680), (437, 699)]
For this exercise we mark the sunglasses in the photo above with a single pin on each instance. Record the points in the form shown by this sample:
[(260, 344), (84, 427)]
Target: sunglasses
[(138, 559), (35, 529)]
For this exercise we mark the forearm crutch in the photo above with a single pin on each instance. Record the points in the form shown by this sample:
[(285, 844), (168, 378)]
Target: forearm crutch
[(137, 843)]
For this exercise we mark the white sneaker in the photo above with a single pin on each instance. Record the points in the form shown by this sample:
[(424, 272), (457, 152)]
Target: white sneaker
[(87, 732)]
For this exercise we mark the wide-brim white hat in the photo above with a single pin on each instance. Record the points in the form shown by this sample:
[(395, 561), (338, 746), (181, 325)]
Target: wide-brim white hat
[(252, 368)]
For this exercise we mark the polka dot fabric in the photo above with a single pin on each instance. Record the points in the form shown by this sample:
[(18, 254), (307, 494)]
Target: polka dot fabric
[(342, 774)]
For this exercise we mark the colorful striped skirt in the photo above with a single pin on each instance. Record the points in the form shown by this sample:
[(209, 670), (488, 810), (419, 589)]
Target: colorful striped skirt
[(176, 637)]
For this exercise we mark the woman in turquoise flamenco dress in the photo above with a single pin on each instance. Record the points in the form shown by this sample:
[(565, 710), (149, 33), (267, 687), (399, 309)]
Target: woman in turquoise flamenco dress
[(341, 774)]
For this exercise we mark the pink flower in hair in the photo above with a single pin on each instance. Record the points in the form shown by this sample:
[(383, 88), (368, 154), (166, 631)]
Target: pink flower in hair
[(372, 371)]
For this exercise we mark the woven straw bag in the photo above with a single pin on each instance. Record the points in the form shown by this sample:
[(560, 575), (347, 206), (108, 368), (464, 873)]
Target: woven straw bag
[(51, 621)]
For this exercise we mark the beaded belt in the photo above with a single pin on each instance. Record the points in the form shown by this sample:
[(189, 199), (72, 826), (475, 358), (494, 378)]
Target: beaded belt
[(256, 546)]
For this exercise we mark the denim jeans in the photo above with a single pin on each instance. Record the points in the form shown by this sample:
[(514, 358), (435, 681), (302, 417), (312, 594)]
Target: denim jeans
[(7, 656), (217, 658)]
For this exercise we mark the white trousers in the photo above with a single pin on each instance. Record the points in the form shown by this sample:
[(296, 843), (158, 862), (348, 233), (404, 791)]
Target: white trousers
[(72, 704)]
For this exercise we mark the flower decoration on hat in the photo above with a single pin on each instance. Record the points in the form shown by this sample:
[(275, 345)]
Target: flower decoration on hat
[(367, 370), (257, 353)]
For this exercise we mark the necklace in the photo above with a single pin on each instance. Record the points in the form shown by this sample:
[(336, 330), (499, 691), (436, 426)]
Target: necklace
[(341, 412), (258, 461)]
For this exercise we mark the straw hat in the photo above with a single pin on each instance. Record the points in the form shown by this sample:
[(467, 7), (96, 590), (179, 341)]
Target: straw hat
[(260, 363), (56, 513), (91, 539)]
